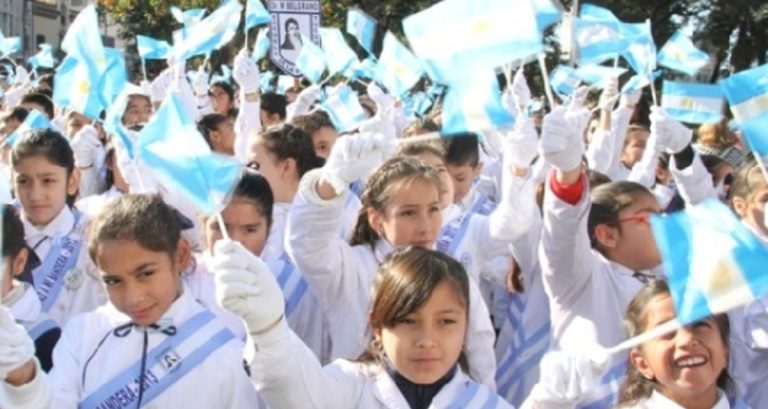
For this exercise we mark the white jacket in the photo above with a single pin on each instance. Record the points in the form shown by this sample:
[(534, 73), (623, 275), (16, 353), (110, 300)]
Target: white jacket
[(341, 276), (287, 376), (659, 401), (81, 290)]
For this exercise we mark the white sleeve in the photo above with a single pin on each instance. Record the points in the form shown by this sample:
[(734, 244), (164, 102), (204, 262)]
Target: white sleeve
[(600, 151), (516, 210), (619, 125), (247, 123), (35, 394), (65, 375), (288, 375), (480, 339), (565, 252), (694, 183), (644, 171)]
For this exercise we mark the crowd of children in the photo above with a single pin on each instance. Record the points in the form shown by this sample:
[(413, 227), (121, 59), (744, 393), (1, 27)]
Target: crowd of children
[(361, 269)]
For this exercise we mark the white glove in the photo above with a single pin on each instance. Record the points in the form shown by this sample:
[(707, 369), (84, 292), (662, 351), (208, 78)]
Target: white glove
[(246, 73), (518, 96), (146, 87), (672, 136), (303, 102), (85, 144), (23, 77), (354, 157), (16, 348), (609, 95), (200, 83), (383, 100), (521, 147), (159, 86), (629, 100), (246, 286), (561, 144), (578, 114), (566, 376)]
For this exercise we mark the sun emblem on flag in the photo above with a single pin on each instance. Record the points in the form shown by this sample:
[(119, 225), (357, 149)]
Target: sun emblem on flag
[(687, 103), (481, 27), (400, 70), (82, 87)]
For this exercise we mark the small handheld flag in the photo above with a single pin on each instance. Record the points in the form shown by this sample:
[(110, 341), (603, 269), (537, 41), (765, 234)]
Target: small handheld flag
[(362, 26), (398, 68), (692, 103), (680, 54), (344, 109), (747, 93), (311, 60), (255, 14)]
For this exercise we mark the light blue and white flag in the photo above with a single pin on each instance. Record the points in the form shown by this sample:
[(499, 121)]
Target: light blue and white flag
[(76, 86), (261, 46), (641, 50), (747, 93), (362, 69), (398, 68), (9, 45), (680, 54), (417, 104), (265, 82), (210, 33), (44, 57), (344, 109), (311, 60), (181, 159), (756, 133), (693, 103), (187, 17), (255, 14), (639, 81), (152, 49), (598, 35), (547, 12), (113, 121), (83, 39), (563, 80), (363, 27), (458, 37), (34, 120), (713, 262), (284, 82), (597, 76), (114, 78), (474, 106), (338, 55)]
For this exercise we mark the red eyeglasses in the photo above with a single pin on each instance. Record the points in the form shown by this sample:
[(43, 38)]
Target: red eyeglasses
[(640, 217)]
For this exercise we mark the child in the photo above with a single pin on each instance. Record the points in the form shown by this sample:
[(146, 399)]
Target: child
[(418, 323), (219, 132), (153, 344), (20, 297), (249, 220), (45, 181), (596, 254), (686, 368), (115, 183), (137, 112), (401, 207)]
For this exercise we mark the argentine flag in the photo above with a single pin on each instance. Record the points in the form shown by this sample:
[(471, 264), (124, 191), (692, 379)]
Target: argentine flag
[(76, 86), (692, 103), (152, 49), (598, 35), (255, 14), (34, 120), (639, 81), (598, 75), (714, 263), (398, 68), (9, 45), (564, 80), (187, 17), (363, 27), (311, 60), (680, 54), (747, 92), (208, 34), (261, 46), (344, 109), (474, 106), (458, 37), (338, 55)]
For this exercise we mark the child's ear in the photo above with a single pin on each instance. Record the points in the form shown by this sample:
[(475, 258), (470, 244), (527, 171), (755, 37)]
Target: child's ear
[(183, 254), (638, 361), (739, 206), (19, 262), (375, 220), (288, 166), (73, 183), (607, 235)]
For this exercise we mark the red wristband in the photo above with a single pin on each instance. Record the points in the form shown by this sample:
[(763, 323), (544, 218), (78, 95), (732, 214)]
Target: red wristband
[(570, 194)]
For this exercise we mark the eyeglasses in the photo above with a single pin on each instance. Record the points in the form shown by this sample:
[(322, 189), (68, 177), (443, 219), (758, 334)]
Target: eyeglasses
[(640, 217)]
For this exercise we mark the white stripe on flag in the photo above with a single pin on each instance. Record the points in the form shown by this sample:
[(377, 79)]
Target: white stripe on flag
[(750, 108), (698, 104)]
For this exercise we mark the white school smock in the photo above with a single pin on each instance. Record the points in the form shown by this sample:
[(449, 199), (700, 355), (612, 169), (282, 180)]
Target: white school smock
[(247, 125), (82, 290), (92, 205), (604, 151), (35, 394), (26, 311), (91, 354), (342, 275), (659, 401), (305, 315), (287, 376)]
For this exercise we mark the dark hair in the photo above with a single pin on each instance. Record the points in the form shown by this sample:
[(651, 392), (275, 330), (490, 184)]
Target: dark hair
[(274, 103), (636, 386), (607, 201), (13, 232), (145, 219), (18, 113), (42, 100), (462, 150), (312, 123), (747, 179), (46, 79), (232, 112), (50, 144), (255, 188), (596, 178), (208, 123), (287, 141), (287, 43), (392, 174), (411, 150), (404, 282)]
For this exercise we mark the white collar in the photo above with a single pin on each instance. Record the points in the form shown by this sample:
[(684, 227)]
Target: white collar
[(659, 401), (469, 199), (60, 226), (451, 213), (26, 306)]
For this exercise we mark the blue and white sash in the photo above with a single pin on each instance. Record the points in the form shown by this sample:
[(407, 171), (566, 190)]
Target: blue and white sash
[(483, 206), (292, 283), (61, 258), (452, 234), (606, 394), (475, 396), (168, 362), (37, 329)]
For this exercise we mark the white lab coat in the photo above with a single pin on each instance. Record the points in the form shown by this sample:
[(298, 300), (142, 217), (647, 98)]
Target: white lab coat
[(92, 205), (287, 376), (341, 277), (90, 354), (82, 290)]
